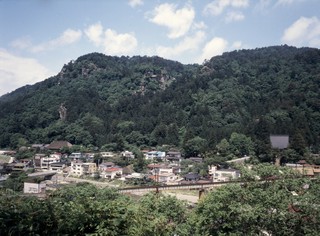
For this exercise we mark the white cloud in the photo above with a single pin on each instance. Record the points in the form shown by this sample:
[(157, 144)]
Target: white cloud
[(214, 47), (69, 36), (111, 42), (18, 71), (115, 43), (199, 26), (234, 16), (94, 33), (134, 3), (237, 45), (22, 43), (216, 7), (284, 2), (263, 5), (189, 43), (287, 2), (178, 21), (303, 32)]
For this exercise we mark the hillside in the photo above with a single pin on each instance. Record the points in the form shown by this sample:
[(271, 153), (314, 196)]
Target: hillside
[(150, 101)]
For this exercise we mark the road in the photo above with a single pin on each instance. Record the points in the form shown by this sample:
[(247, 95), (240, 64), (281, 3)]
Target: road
[(66, 180), (193, 199), (184, 197)]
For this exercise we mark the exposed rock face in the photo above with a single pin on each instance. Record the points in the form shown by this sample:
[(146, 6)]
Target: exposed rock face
[(63, 112)]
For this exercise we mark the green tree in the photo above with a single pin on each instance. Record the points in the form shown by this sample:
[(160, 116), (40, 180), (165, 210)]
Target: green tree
[(241, 145), (195, 146), (15, 181), (158, 215), (223, 147), (282, 205)]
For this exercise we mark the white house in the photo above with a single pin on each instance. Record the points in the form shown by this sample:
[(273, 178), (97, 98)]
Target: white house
[(128, 154), (160, 169), (220, 175), (155, 155), (79, 168), (112, 172), (46, 161), (166, 178), (107, 154)]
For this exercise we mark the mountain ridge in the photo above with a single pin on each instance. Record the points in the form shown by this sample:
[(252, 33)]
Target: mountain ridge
[(149, 101)]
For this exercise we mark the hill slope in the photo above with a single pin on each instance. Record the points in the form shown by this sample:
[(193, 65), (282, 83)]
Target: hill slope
[(148, 101)]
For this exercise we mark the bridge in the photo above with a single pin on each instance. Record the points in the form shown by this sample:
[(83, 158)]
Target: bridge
[(195, 186), (192, 186)]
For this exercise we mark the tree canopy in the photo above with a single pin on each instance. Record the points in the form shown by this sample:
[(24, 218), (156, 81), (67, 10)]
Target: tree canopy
[(279, 202)]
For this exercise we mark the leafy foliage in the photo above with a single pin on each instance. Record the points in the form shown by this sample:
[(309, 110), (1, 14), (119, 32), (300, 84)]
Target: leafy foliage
[(280, 203), (277, 207)]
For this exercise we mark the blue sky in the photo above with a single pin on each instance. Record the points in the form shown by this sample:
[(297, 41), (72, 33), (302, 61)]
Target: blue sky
[(37, 37)]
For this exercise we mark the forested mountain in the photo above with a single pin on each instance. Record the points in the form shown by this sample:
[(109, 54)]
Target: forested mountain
[(150, 101)]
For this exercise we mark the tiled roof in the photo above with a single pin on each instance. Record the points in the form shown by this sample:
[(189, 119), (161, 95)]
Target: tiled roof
[(113, 169)]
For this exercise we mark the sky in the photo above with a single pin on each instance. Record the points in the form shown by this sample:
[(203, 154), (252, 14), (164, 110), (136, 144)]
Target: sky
[(37, 37)]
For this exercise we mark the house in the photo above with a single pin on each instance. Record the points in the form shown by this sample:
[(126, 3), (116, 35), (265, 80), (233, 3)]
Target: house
[(7, 152), (107, 154), (105, 165), (37, 160), (173, 157), (134, 176), (154, 155), (46, 161), (163, 169), (305, 169), (89, 156), (75, 156), (112, 172), (166, 178), (34, 187), (38, 146), (159, 168), (19, 167), (57, 166), (220, 175), (127, 154), (191, 177), (79, 168), (58, 145)]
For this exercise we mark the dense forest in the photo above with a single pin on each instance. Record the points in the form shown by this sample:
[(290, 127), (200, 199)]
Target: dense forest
[(117, 102), (283, 205)]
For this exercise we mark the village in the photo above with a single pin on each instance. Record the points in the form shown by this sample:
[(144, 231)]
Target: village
[(51, 170)]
